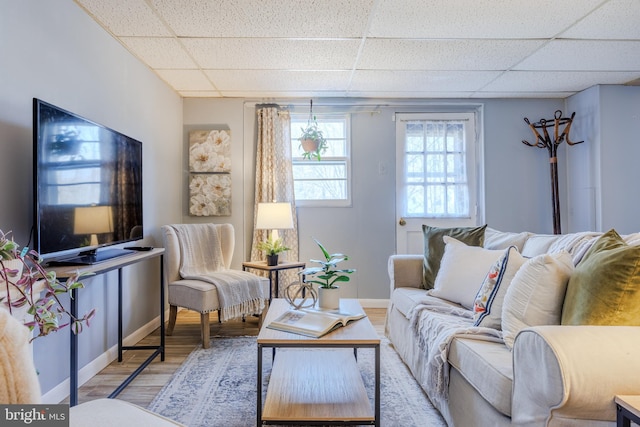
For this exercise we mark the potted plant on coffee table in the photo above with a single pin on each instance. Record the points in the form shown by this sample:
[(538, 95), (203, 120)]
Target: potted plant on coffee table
[(31, 293), (272, 248), (326, 276)]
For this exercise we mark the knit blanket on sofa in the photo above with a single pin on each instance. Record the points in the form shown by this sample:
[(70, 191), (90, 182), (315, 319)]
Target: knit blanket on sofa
[(239, 292), (434, 324)]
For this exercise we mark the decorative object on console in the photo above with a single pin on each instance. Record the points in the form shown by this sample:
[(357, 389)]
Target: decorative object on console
[(273, 217), (552, 146), (22, 288), (326, 276), (210, 167), (312, 140)]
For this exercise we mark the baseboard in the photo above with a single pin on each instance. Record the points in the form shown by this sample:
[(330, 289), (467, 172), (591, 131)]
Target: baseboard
[(374, 303), (61, 391)]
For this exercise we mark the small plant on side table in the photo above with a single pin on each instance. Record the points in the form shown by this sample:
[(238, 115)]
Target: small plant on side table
[(272, 248)]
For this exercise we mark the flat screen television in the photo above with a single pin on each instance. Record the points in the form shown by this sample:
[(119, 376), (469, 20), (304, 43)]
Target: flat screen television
[(87, 187)]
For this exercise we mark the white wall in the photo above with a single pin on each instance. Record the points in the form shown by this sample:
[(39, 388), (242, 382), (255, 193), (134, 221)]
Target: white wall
[(603, 171), (53, 51), (518, 188)]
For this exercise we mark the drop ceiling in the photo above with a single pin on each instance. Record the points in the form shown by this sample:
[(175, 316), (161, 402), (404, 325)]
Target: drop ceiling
[(379, 48)]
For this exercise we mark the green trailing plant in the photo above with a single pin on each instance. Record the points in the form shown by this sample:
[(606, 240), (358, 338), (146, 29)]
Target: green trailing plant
[(272, 247), (37, 289), (327, 274), (312, 141)]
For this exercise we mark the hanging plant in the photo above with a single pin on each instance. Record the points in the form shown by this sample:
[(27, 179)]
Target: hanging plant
[(312, 141)]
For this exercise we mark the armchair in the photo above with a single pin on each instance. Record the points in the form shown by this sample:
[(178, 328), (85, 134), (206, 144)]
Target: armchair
[(199, 276)]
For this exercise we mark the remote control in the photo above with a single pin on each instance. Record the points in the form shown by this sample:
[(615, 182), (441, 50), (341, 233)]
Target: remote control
[(139, 248)]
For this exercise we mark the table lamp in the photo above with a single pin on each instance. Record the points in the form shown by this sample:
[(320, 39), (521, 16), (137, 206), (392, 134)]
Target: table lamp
[(93, 220), (274, 216)]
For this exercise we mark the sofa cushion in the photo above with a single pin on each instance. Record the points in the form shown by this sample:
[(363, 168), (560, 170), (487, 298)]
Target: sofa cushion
[(494, 239), (461, 271), (538, 244), (536, 294), (434, 247), (404, 299), (604, 289), (487, 306), (486, 365)]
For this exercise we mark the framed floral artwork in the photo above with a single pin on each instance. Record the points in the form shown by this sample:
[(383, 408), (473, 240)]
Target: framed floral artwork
[(209, 194), (210, 151)]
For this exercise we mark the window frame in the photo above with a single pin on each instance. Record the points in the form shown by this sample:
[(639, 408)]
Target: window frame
[(297, 159), (473, 164)]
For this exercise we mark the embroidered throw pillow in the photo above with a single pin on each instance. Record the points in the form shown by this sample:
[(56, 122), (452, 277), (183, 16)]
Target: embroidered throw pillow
[(434, 247), (536, 294), (461, 271), (487, 306)]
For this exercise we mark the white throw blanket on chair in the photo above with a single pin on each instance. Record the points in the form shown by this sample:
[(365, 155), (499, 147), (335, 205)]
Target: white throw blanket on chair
[(239, 292)]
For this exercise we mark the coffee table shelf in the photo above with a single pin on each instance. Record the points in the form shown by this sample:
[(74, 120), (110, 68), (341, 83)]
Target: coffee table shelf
[(316, 385), (317, 381)]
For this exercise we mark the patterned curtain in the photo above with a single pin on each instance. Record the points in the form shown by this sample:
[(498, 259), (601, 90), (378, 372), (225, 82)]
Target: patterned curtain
[(274, 182)]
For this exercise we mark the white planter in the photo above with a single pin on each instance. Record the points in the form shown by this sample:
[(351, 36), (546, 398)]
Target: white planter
[(328, 298)]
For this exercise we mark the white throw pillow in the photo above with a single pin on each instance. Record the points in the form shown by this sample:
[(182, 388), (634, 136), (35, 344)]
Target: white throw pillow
[(536, 294), (462, 270), (487, 307)]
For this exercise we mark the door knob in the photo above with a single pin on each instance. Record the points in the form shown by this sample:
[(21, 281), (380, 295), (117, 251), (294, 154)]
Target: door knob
[(402, 222)]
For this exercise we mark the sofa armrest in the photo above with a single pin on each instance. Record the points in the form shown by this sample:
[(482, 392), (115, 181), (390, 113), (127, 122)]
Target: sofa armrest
[(565, 374), (405, 271)]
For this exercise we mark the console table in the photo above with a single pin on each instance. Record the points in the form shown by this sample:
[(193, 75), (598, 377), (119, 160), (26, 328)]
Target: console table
[(117, 263)]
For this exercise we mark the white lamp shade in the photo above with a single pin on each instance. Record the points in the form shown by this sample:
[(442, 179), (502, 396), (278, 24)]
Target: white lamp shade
[(93, 220), (274, 216)]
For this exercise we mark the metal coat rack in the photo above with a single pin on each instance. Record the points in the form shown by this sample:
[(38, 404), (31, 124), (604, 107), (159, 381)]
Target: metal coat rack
[(544, 140)]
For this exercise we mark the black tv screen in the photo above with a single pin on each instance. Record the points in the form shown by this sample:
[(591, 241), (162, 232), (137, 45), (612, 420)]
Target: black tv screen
[(87, 184)]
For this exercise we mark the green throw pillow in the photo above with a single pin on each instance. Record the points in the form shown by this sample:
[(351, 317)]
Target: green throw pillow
[(434, 247), (604, 289)]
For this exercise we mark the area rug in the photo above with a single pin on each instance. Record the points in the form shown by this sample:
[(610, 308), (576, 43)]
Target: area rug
[(217, 387)]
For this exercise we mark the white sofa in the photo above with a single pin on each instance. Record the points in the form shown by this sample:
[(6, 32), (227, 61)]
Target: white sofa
[(553, 374)]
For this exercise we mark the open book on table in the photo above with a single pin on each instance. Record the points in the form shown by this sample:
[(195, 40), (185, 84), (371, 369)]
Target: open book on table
[(313, 322)]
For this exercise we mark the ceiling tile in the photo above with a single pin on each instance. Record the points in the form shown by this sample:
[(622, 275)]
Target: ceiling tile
[(606, 23), (395, 54), (476, 19), (159, 52), (585, 55), (273, 53), (125, 17), (554, 81), (259, 18), (421, 81), (415, 94), (272, 80), (514, 94), (186, 79)]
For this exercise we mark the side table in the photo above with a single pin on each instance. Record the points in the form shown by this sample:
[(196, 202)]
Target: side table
[(273, 272), (628, 409)]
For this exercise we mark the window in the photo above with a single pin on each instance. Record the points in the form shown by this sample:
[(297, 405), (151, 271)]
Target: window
[(438, 152), (325, 182)]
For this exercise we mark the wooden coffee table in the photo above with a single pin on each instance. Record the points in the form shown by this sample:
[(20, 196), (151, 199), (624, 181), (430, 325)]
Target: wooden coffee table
[(311, 382)]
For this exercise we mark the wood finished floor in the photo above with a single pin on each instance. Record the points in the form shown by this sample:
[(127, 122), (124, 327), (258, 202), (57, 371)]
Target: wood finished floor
[(184, 340)]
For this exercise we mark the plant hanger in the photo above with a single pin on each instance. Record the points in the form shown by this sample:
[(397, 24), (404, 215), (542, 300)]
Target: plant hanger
[(312, 141)]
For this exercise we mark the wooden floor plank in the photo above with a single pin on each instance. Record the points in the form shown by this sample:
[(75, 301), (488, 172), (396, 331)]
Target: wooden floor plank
[(184, 340)]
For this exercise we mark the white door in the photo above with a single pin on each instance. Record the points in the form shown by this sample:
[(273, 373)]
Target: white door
[(436, 175)]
